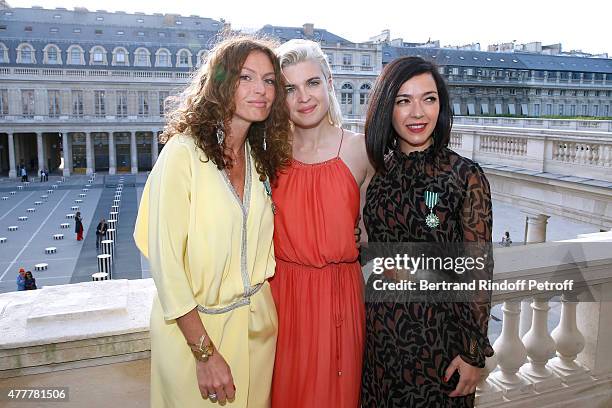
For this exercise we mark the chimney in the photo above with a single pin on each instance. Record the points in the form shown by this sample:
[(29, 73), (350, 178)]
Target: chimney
[(309, 30)]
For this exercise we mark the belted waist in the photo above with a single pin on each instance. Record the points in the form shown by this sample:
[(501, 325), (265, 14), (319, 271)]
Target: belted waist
[(244, 301)]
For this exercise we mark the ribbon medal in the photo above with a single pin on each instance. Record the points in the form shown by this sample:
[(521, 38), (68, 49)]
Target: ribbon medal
[(431, 200)]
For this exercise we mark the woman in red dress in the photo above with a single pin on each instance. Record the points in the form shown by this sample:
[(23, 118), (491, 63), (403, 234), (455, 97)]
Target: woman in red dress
[(318, 285)]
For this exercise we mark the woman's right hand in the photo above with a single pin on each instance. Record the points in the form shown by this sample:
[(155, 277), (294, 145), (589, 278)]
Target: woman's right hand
[(215, 377)]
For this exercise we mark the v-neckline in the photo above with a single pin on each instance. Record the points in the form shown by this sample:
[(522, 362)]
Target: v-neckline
[(246, 192)]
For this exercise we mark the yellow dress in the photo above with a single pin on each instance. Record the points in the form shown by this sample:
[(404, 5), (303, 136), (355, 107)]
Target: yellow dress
[(207, 248)]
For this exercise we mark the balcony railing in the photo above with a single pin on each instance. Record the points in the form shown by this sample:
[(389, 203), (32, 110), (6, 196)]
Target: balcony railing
[(92, 74), (532, 366)]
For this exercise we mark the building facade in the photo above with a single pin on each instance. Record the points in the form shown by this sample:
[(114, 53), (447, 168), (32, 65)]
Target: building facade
[(84, 91)]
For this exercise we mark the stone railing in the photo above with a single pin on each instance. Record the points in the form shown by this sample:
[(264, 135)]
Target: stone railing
[(104, 75), (537, 367), (533, 366), (563, 124)]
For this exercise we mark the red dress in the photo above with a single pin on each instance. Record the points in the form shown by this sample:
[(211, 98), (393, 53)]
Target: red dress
[(318, 288)]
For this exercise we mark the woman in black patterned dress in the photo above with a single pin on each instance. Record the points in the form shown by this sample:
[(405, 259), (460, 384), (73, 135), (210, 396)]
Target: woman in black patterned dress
[(422, 354)]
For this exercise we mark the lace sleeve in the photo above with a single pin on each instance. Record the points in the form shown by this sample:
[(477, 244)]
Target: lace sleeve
[(477, 225)]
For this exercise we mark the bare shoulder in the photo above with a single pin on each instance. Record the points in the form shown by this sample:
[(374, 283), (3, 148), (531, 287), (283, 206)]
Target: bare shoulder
[(355, 142)]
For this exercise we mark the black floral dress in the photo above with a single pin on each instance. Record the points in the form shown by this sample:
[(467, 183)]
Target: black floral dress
[(409, 345)]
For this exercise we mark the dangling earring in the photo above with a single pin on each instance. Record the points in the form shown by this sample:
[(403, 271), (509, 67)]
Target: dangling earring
[(220, 132), (265, 146)]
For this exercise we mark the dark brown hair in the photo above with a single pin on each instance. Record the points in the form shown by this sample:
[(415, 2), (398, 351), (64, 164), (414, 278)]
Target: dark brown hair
[(209, 99), (379, 131)]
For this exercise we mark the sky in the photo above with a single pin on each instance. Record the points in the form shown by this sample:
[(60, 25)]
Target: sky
[(583, 24)]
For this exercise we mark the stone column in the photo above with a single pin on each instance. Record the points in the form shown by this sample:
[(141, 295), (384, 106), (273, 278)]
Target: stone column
[(536, 227), (66, 153), (88, 151), (112, 155), (154, 147), (40, 152), (133, 153), (11, 153)]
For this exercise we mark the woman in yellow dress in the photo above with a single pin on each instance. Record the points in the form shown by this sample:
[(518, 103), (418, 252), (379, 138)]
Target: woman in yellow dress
[(205, 223)]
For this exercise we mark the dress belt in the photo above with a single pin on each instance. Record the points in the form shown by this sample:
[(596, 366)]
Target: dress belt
[(244, 301)]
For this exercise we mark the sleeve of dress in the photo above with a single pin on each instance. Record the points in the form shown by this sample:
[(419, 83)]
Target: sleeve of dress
[(162, 228), (477, 225)]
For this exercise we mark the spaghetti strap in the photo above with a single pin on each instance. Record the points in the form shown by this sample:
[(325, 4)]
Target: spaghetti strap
[(341, 139)]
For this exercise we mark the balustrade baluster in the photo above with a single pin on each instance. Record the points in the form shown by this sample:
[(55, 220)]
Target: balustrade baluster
[(511, 354), (569, 343), (540, 348)]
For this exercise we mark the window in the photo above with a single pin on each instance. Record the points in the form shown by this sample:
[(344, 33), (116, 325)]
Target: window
[(549, 109), (76, 55), (143, 103), (512, 91), (54, 30), (455, 70), (99, 103), (536, 109), (330, 58), (595, 110), (3, 102), (161, 35), (121, 104), (99, 32), (163, 95), (52, 57), (549, 92), (140, 20), (364, 94), (99, 18), (54, 103), (98, 56), (120, 56), (346, 98), (562, 92), (538, 92), (28, 29), (26, 54), (606, 110), (27, 103), (76, 31), (181, 35), (3, 53), (572, 111), (142, 58), (120, 32), (141, 33), (163, 58), (469, 71), (184, 58), (561, 109), (347, 59), (366, 60), (77, 103), (585, 109)]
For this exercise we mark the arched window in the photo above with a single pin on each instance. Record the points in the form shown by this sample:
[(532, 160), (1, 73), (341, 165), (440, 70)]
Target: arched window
[(53, 55), (97, 56), (364, 93), (142, 58), (76, 55), (202, 55), (4, 58), (346, 98), (121, 57), (25, 54), (183, 58), (162, 58)]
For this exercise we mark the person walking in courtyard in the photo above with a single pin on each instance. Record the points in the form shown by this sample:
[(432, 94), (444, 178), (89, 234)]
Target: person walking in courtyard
[(78, 226), (101, 232)]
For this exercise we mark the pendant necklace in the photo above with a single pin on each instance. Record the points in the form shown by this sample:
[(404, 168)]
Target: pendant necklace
[(431, 200)]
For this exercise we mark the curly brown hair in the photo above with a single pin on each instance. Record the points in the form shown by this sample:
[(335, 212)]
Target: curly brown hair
[(209, 99)]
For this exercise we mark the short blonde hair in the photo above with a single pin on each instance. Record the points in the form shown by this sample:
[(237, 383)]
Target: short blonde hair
[(295, 51)]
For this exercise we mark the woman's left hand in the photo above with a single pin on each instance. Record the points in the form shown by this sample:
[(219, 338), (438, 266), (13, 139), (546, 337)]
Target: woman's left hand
[(469, 377)]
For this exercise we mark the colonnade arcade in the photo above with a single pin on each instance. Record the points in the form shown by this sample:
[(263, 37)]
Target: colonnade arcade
[(68, 152)]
